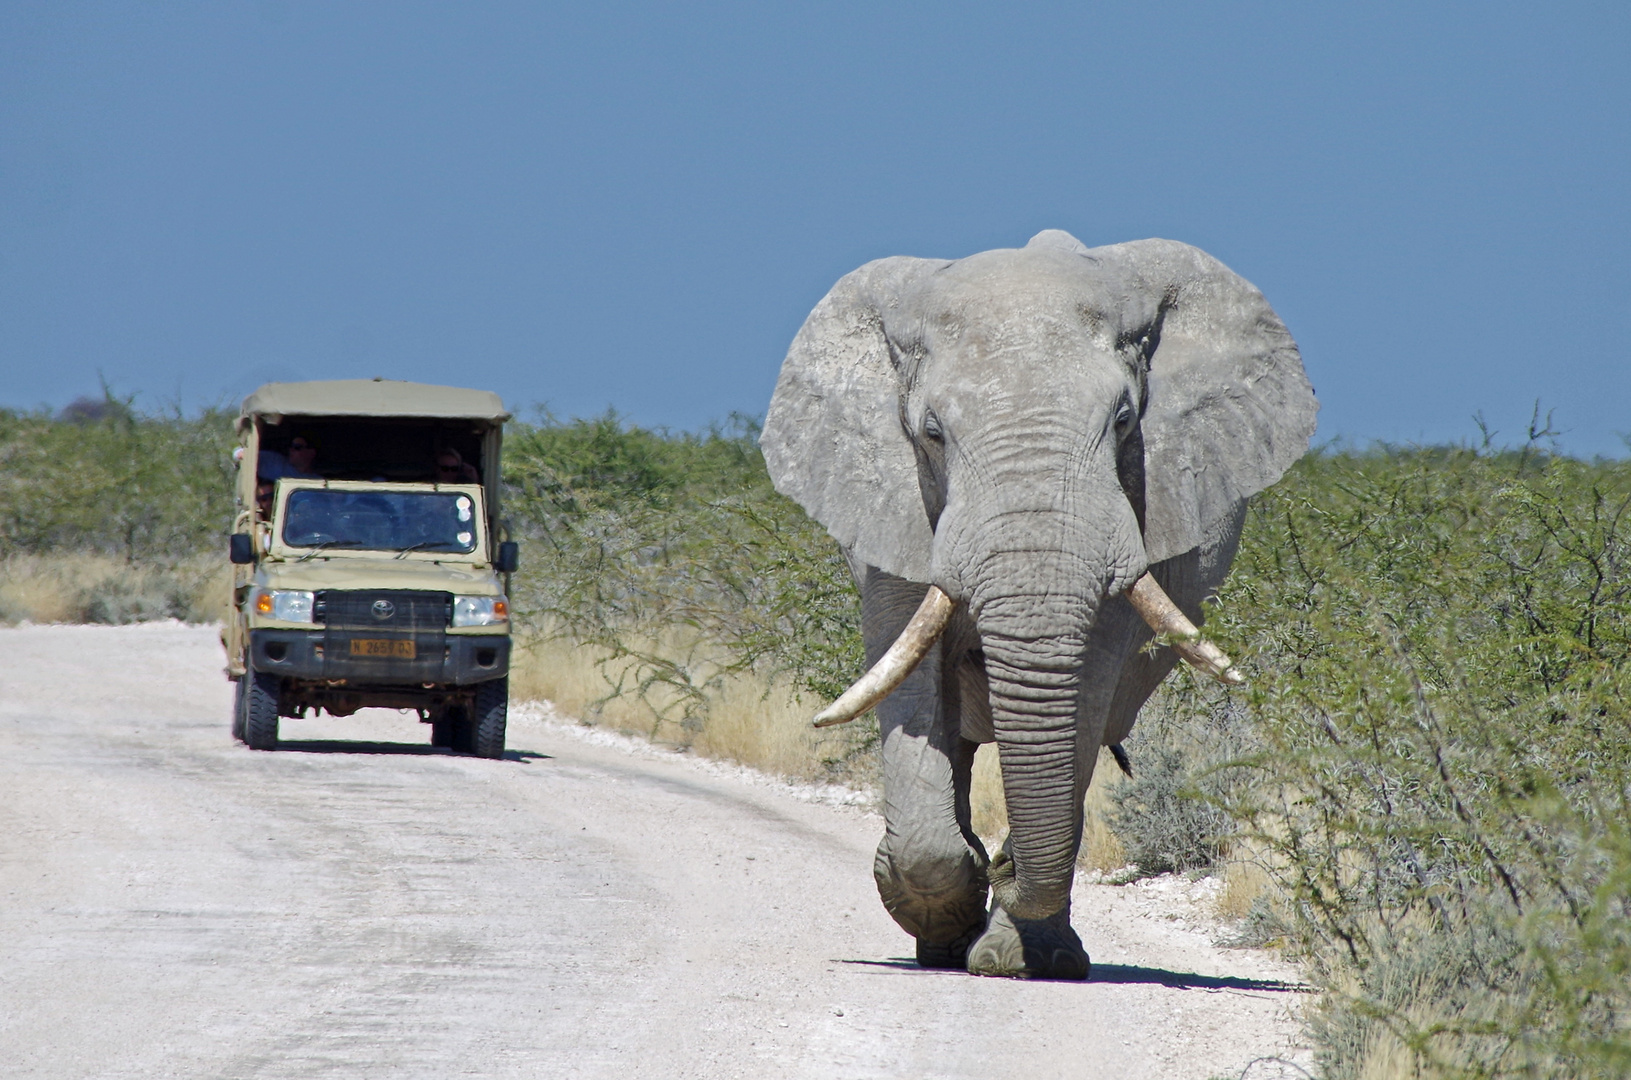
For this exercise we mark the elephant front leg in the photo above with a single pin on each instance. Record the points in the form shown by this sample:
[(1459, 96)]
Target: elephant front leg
[(930, 867), (930, 871)]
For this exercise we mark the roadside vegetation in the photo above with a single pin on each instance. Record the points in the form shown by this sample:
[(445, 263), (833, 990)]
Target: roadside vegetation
[(1433, 763), (1421, 793), (111, 515), (715, 613)]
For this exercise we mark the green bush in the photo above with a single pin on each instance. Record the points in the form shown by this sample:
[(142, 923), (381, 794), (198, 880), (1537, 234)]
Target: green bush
[(1163, 824), (115, 481), (1440, 640), (674, 559)]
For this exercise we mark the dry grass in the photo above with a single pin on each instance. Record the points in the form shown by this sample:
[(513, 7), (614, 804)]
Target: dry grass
[(1245, 882), (1388, 1058), (1378, 1039), (990, 812), (750, 720), (767, 727), (1101, 849), (42, 589), (89, 587)]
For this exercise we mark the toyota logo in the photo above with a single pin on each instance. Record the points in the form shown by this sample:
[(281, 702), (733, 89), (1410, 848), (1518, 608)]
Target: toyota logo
[(383, 609)]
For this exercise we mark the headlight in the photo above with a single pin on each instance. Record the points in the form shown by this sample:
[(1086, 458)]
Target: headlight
[(284, 605), (480, 610)]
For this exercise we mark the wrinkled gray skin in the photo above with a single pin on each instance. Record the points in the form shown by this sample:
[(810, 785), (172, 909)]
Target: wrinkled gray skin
[(1028, 429)]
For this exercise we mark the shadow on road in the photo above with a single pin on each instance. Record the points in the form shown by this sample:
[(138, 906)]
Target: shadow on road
[(899, 963), (1188, 980), (340, 746), (1123, 973)]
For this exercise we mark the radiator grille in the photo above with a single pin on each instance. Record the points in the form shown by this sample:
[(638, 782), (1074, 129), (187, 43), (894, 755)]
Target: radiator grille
[(376, 609)]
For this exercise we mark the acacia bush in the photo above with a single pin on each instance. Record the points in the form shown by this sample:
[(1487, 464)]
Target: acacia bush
[(1442, 741), (112, 515), (149, 488), (676, 563)]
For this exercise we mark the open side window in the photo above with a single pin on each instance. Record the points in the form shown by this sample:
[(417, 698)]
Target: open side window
[(370, 448)]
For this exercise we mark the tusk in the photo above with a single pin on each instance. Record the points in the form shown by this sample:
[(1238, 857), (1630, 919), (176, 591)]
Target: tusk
[(1152, 602), (891, 670)]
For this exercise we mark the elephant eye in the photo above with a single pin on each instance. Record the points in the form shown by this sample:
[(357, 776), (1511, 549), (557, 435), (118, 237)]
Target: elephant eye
[(931, 426), (1124, 420)]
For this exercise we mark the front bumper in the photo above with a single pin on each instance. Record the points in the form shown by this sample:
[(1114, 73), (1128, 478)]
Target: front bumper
[(329, 655)]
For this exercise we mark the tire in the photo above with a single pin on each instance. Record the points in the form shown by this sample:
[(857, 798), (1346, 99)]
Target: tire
[(260, 710), (491, 715), (239, 706)]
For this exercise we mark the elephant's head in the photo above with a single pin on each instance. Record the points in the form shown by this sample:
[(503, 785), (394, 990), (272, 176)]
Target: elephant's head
[(1028, 430)]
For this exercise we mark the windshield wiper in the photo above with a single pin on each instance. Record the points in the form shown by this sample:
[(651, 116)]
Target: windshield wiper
[(426, 545), (318, 549)]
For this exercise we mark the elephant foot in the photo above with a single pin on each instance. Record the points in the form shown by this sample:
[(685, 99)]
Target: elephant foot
[(1029, 948), (951, 955)]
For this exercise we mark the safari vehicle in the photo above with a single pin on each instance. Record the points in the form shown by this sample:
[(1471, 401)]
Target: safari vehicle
[(363, 575)]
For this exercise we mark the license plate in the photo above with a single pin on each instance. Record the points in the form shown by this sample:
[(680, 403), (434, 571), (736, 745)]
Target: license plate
[(382, 647)]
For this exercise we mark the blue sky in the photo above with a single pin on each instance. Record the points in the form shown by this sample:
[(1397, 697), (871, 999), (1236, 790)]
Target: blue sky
[(635, 205)]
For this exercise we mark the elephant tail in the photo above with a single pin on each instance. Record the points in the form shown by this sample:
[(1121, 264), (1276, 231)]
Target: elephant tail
[(1122, 759)]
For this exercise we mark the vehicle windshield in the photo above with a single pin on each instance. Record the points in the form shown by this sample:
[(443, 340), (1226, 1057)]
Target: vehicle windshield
[(380, 520)]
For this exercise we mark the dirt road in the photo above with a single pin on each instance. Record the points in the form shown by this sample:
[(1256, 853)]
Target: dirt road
[(175, 905)]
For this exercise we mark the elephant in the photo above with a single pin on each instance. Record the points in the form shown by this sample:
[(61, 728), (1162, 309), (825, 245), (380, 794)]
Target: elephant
[(1033, 459)]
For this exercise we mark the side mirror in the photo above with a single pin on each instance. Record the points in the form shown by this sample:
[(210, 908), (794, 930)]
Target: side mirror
[(241, 550), (509, 557)]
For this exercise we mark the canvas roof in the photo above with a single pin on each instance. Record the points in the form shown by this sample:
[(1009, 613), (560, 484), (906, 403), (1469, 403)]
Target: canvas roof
[(372, 397)]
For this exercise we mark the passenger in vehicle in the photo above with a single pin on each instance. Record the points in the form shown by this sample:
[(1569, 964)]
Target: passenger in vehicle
[(297, 464), (451, 468)]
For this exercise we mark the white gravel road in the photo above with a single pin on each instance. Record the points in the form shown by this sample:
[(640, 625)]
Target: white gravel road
[(360, 905)]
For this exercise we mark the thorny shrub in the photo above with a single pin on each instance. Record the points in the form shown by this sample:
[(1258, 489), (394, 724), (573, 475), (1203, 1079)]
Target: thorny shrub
[(675, 561), (1440, 701), (147, 488)]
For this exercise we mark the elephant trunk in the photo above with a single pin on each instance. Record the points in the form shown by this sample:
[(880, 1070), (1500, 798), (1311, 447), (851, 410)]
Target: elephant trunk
[(1036, 569), (1034, 638), (1035, 685)]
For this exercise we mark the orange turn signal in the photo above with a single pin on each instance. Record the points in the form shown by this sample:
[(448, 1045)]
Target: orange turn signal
[(263, 603)]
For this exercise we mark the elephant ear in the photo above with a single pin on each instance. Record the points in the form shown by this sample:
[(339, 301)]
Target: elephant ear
[(832, 439), (1229, 406)]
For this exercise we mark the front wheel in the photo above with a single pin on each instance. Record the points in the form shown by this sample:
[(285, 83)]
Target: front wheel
[(491, 714), (260, 710)]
